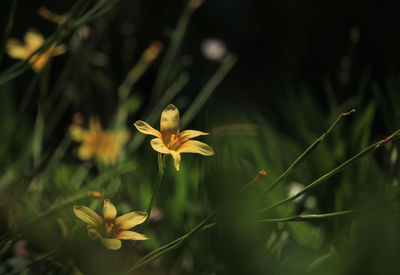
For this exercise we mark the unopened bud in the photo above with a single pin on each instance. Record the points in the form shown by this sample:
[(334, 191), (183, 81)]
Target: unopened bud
[(260, 175), (194, 4), (77, 119), (152, 51), (47, 14), (95, 194)]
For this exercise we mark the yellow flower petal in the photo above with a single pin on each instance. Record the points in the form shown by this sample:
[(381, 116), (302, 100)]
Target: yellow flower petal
[(177, 159), (145, 128), (189, 134), (88, 216), (33, 40), (112, 244), (159, 146), (85, 152), (77, 133), (170, 120), (131, 235), (94, 125), (109, 210), (194, 146), (131, 219), (16, 50)]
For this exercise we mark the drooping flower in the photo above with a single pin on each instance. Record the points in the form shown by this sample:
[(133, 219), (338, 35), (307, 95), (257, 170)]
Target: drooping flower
[(170, 141), (111, 229), (104, 146), (32, 42)]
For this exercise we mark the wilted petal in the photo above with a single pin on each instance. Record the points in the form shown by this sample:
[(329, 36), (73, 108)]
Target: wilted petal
[(16, 50), (189, 134), (194, 146), (177, 159), (130, 235), (159, 146), (109, 210), (88, 215), (170, 120), (129, 220), (33, 39), (145, 128), (112, 244)]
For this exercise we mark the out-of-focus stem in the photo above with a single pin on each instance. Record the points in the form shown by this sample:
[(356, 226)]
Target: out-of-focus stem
[(172, 51), (208, 89), (7, 30), (148, 56)]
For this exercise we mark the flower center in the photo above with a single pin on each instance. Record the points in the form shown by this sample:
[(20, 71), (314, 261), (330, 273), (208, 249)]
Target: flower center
[(110, 229), (174, 141)]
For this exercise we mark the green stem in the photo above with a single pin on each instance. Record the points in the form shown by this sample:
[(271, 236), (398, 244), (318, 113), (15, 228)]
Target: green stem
[(347, 163), (8, 28), (304, 218), (208, 89), (309, 150), (172, 51), (172, 245), (160, 175)]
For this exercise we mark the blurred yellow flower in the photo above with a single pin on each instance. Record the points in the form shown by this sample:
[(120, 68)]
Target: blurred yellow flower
[(32, 42), (104, 146), (170, 141), (110, 229)]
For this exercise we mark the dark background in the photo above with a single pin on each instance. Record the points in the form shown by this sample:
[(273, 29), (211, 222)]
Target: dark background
[(277, 42)]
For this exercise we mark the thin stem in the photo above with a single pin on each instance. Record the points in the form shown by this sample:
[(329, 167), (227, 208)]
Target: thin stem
[(160, 175), (135, 73), (208, 89), (8, 28), (172, 245), (305, 218), (347, 163), (173, 49), (310, 149), (298, 218)]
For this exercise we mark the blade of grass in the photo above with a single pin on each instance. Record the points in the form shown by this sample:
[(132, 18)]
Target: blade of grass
[(309, 150), (347, 163), (8, 28), (305, 218), (172, 245)]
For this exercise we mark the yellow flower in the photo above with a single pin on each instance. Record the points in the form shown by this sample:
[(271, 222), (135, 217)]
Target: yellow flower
[(32, 42), (104, 146), (170, 141), (110, 229)]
